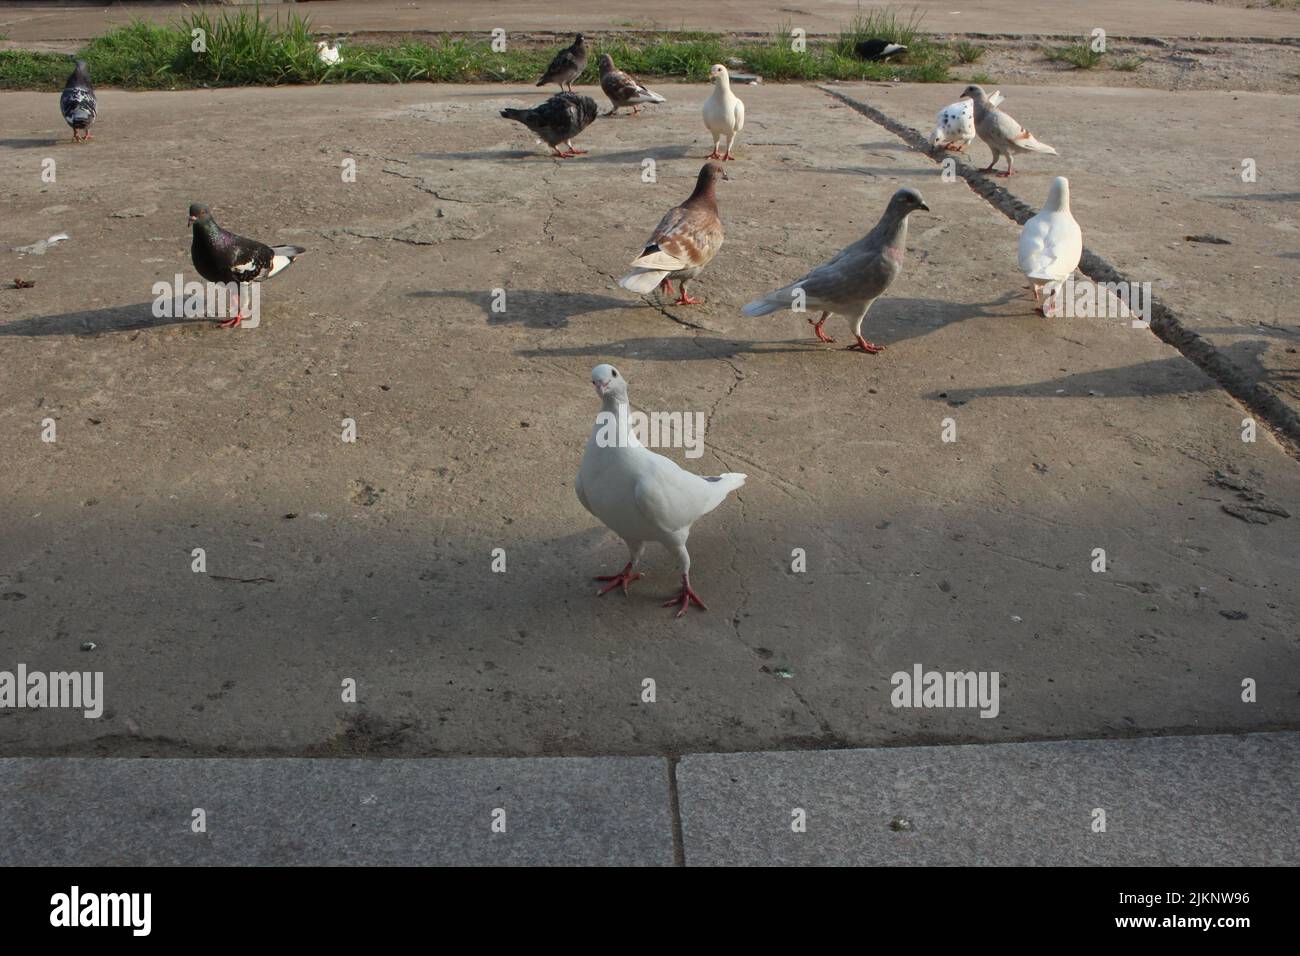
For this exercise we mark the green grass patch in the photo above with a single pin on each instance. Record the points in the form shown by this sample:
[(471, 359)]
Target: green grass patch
[(969, 52), (1079, 55), (1128, 65), (239, 48)]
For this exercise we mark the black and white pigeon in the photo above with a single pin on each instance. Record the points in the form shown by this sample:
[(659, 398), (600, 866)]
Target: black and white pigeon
[(567, 65), (877, 49), (558, 120), (221, 256), (78, 103)]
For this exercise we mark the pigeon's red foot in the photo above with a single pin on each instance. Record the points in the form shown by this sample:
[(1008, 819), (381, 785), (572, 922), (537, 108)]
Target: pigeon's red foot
[(728, 155), (686, 598), (714, 155), (817, 327), (987, 169), (667, 285), (234, 323), (862, 345), (685, 299), (622, 579)]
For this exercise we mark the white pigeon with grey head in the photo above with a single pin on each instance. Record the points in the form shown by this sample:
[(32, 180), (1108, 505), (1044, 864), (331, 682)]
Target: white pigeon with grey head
[(640, 495), (1051, 245), (78, 104), (854, 278), (999, 132), (954, 127)]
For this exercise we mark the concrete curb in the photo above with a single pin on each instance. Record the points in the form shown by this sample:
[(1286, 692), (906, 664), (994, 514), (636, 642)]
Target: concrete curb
[(1221, 800)]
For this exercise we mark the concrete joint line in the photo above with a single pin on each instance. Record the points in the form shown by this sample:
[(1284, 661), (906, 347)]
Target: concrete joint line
[(1165, 322)]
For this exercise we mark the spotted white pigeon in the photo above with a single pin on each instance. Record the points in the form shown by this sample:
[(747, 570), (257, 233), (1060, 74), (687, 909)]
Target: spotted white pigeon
[(724, 113), (639, 495), (854, 278), (78, 104), (684, 242), (954, 127), (1051, 245), (999, 132)]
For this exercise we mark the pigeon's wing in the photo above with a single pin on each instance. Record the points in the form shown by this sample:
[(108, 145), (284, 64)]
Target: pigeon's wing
[(673, 499), (1050, 247), (564, 63), (687, 237), (78, 103), (250, 260), (739, 122), (620, 88)]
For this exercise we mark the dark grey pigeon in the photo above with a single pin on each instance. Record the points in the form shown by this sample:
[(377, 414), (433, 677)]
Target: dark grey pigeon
[(78, 102), (558, 120), (221, 256), (877, 49), (567, 65)]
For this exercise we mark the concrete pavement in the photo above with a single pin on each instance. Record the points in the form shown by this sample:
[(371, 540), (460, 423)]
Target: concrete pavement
[(372, 562), (1176, 801)]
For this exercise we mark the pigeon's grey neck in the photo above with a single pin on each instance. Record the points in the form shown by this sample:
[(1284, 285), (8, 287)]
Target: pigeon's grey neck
[(891, 230)]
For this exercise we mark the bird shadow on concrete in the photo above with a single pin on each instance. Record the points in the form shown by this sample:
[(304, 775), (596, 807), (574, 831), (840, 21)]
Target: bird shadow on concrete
[(119, 318), (1171, 376), (673, 349), (900, 319), (486, 154), (1258, 197), (532, 308), (32, 143)]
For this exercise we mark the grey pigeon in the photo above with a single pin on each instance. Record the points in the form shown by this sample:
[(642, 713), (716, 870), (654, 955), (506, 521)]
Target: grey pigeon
[(78, 102), (999, 132), (221, 256), (854, 278), (567, 65), (877, 49), (558, 120), (639, 495)]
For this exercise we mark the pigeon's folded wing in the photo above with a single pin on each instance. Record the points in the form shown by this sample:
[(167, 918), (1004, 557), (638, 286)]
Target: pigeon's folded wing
[(673, 499)]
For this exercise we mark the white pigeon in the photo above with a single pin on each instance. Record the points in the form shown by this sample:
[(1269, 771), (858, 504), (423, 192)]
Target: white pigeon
[(327, 51), (954, 127), (639, 495), (1000, 132), (1051, 245), (724, 113)]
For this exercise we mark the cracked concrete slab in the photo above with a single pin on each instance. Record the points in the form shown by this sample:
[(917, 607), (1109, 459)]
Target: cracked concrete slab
[(173, 435)]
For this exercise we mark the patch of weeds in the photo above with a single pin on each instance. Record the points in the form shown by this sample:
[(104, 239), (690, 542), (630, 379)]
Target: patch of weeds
[(969, 52), (1079, 55)]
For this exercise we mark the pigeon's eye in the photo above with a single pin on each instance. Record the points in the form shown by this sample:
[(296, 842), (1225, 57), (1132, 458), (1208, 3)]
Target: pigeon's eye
[(615, 373)]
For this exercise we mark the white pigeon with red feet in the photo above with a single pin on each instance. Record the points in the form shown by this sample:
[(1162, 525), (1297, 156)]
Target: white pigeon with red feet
[(1051, 245), (640, 495), (724, 113)]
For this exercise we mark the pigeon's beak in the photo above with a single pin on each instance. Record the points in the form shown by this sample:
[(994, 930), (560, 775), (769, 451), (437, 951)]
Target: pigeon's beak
[(192, 220), (923, 206), (600, 387)]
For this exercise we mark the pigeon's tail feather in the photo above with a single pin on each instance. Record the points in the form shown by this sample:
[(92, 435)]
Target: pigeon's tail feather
[(1034, 146), (653, 97), (79, 115), (643, 281), (996, 98), (772, 302), (283, 258), (519, 116), (728, 482)]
